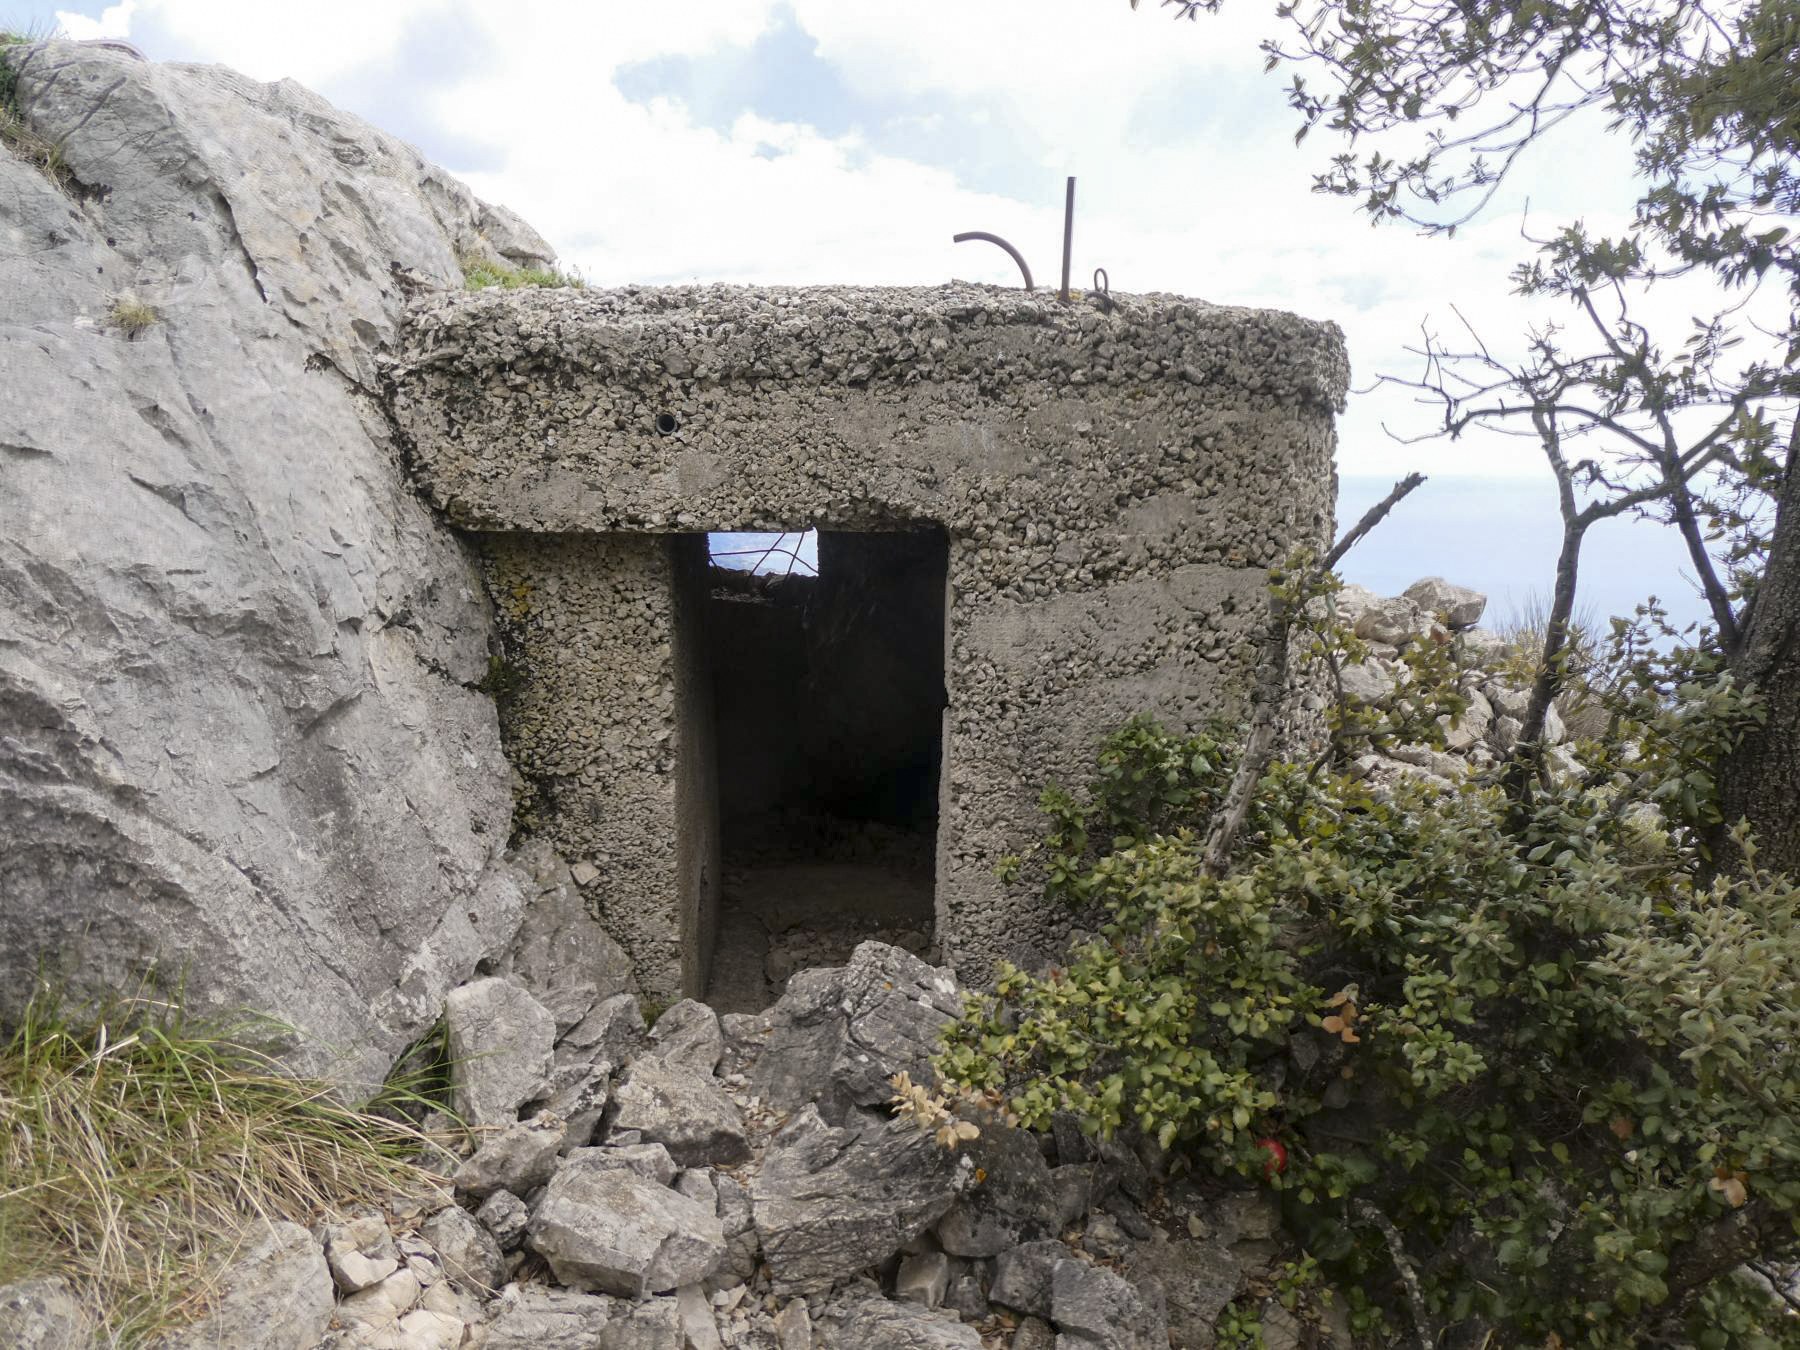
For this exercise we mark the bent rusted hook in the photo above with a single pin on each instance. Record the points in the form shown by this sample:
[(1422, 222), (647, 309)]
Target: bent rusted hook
[(1017, 256)]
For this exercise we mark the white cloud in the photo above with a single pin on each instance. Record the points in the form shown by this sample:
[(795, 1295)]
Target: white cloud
[(114, 22)]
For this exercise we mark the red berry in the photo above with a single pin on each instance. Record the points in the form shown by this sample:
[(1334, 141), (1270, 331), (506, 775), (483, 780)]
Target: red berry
[(1277, 1159)]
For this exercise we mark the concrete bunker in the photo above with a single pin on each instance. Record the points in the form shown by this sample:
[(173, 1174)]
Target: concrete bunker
[(1106, 488)]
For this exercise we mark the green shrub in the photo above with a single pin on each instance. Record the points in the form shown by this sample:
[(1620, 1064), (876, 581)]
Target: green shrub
[(136, 1146), (1560, 1058), (481, 273)]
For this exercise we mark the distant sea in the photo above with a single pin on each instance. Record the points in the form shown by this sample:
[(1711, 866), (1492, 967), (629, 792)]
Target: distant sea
[(1501, 536)]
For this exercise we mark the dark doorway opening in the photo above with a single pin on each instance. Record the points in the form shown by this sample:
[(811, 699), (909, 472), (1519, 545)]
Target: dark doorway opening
[(828, 690)]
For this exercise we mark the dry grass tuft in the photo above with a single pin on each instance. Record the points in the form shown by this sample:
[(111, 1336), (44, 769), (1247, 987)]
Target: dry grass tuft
[(15, 134), (131, 316), (137, 1147), (1579, 703)]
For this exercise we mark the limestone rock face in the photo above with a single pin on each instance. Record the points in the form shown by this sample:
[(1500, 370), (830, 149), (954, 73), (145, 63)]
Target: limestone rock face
[(239, 734)]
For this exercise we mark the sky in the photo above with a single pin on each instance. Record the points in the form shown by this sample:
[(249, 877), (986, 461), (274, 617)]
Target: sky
[(814, 141)]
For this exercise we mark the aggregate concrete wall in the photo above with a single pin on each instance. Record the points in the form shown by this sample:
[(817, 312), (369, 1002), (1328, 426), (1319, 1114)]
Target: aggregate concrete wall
[(604, 717), (1113, 485)]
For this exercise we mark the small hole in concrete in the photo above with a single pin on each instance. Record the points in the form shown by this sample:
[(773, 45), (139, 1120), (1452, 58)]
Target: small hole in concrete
[(667, 424)]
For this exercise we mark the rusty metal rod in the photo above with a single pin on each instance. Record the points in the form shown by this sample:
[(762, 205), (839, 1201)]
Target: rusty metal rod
[(983, 235), (1068, 236)]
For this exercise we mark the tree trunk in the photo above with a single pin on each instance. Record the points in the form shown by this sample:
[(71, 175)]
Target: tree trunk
[(1760, 780)]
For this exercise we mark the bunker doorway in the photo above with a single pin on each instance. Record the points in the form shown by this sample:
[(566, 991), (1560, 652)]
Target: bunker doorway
[(828, 695)]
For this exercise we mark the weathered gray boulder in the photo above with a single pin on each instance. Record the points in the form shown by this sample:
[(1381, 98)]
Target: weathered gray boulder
[(577, 1095), (532, 1317), (466, 1250), (1022, 1276), (650, 1161), (1097, 1308), (360, 1253), (42, 1314), (681, 1109), (518, 1159), (688, 1035), (839, 1035), (277, 1296), (873, 1323), (561, 954), (1013, 1200), (654, 1324), (1457, 606), (504, 1215), (829, 1202), (500, 1039), (1368, 681), (1197, 1278), (742, 1246), (698, 1329), (243, 739), (612, 1033), (607, 1228), (1393, 621)]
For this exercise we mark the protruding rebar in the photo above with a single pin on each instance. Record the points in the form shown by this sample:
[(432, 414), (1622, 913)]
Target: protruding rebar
[(1017, 256), (1068, 236)]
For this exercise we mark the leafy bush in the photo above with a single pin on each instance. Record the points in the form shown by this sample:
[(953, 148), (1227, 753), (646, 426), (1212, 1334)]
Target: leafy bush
[(135, 1146), (1532, 1035)]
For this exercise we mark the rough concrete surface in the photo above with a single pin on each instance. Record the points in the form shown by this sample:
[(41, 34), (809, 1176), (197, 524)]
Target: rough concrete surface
[(1111, 485)]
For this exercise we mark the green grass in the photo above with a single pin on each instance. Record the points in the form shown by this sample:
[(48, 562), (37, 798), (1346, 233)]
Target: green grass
[(137, 1147), (479, 274)]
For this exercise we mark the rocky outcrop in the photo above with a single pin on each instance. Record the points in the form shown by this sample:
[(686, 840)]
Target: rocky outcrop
[(863, 1235), (1433, 610), (240, 735)]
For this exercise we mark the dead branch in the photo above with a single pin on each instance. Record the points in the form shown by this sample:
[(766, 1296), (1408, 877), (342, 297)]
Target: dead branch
[(1271, 691), (1415, 1293)]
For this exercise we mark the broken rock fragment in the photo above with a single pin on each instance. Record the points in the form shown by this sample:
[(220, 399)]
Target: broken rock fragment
[(609, 1229), (500, 1039), (674, 1105), (831, 1202)]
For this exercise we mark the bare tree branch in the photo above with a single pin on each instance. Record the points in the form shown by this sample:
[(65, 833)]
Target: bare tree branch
[(1271, 690)]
